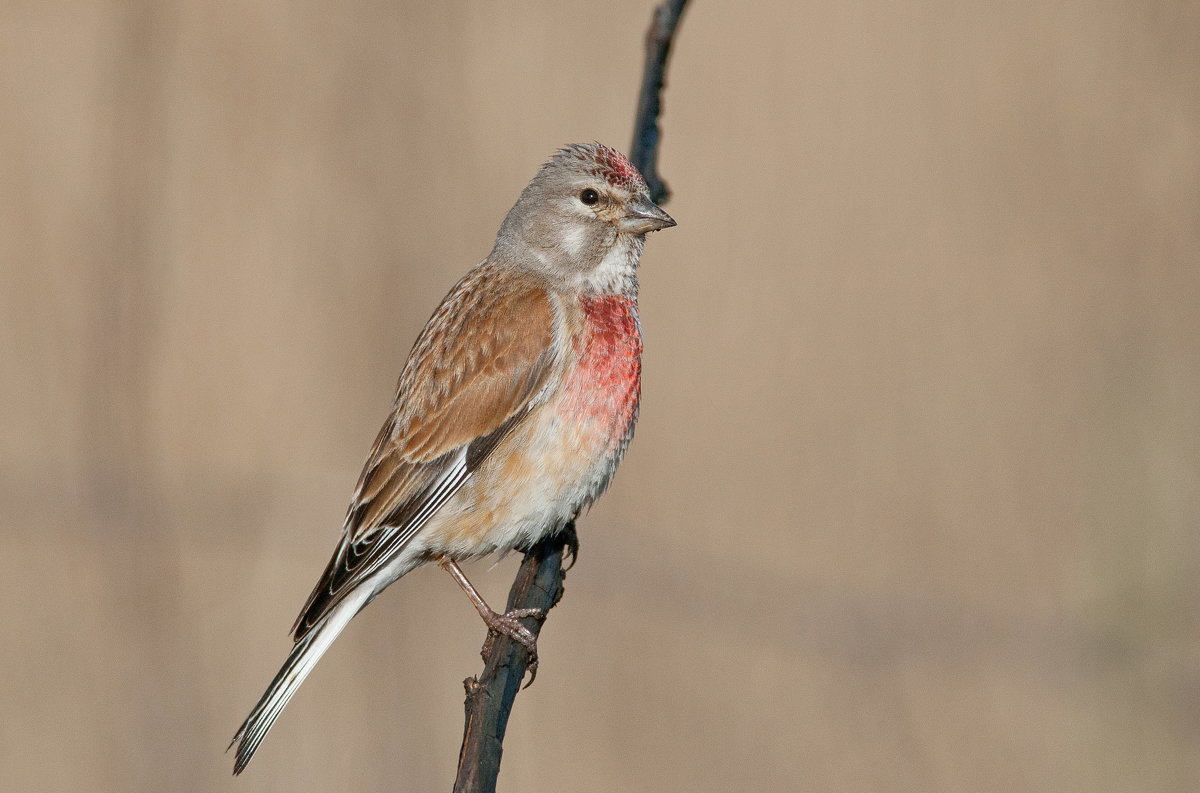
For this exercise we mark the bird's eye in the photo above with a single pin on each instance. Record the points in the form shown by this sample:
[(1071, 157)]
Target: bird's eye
[(589, 196)]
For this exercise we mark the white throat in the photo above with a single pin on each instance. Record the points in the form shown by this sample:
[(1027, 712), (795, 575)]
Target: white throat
[(616, 274)]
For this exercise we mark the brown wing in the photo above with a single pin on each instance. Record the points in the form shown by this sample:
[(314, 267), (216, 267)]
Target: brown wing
[(474, 373)]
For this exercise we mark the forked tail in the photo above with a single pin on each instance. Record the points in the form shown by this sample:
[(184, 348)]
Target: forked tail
[(300, 662)]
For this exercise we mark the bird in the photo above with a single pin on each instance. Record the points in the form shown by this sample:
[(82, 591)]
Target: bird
[(512, 412)]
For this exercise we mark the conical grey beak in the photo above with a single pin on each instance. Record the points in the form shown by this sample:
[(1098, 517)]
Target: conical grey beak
[(643, 216)]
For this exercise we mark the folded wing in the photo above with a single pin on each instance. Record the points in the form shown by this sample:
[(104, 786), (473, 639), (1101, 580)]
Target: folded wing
[(481, 364)]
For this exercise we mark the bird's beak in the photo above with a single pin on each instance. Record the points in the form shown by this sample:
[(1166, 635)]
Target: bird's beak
[(643, 216)]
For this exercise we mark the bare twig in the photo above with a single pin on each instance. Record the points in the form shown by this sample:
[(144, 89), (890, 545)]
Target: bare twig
[(539, 583), (644, 151)]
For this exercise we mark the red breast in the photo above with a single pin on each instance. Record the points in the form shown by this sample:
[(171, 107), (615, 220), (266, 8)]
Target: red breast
[(604, 386)]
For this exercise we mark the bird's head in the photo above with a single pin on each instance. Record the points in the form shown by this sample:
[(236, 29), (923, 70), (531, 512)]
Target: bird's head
[(586, 207)]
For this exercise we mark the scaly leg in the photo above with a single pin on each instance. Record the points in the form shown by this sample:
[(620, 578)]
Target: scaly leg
[(502, 624)]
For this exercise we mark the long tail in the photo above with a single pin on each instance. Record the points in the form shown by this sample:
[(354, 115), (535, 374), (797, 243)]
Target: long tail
[(300, 662)]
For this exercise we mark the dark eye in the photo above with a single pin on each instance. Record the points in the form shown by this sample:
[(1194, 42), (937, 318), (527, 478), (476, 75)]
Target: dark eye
[(589, 196)]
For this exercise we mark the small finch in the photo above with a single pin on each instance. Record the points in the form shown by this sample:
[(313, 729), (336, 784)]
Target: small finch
[(513, 410)]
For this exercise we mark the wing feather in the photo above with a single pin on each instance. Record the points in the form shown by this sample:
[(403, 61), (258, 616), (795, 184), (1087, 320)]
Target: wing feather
[(480, 365)]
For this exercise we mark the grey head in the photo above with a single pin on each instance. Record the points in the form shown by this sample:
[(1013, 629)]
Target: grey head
[(585, 209)]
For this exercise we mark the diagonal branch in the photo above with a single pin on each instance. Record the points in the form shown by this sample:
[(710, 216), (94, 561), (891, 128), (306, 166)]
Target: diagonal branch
[(539, 582)]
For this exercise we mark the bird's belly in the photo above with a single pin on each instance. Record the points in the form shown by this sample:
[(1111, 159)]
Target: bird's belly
[(531, 485)]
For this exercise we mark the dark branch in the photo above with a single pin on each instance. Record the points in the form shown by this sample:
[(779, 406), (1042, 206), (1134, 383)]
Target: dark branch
[(490, 696), (539, 582), (644, 151)]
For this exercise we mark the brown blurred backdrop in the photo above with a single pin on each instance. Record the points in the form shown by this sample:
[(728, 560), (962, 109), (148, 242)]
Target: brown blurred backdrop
[(914, 500)]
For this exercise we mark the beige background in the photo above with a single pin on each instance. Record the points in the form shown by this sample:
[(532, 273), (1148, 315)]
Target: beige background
[(914, 501)]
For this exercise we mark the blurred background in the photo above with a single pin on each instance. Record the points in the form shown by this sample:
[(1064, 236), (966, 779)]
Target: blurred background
[(914, 500)]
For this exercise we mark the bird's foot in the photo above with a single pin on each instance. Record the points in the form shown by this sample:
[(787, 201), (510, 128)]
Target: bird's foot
[(508, 624)]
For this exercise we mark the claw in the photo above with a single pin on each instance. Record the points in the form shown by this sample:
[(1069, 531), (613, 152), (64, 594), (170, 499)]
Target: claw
[(572, 540), (507, 625)]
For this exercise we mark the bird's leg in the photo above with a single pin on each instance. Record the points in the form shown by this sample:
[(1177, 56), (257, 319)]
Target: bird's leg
[(503, 624)]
